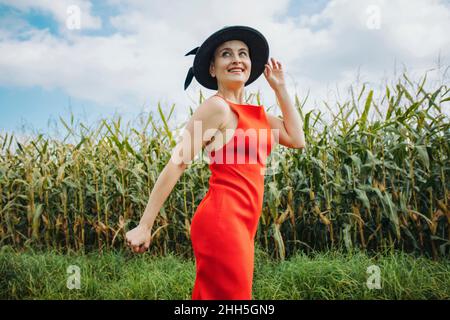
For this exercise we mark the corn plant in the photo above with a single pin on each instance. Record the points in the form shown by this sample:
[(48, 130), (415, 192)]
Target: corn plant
[(368, 179)]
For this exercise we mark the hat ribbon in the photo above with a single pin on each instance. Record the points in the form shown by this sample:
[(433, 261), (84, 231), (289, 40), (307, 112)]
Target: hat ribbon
[(190, 73)]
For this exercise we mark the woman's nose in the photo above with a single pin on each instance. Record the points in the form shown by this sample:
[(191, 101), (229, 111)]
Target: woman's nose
[(237, 61), (236, 58)]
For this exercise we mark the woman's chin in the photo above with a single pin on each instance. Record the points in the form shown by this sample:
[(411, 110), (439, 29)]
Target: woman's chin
[(236, 80)]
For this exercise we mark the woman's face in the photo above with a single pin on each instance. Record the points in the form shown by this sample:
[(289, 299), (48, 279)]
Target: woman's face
[(229, 55)]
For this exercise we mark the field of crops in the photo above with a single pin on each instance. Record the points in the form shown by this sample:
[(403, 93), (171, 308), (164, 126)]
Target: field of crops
[(375, 177)]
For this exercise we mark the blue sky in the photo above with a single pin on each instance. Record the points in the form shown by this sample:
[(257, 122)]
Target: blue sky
[(121, 60), (38, 108)]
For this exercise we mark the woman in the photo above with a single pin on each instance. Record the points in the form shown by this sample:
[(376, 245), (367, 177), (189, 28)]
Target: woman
[(225, 222)]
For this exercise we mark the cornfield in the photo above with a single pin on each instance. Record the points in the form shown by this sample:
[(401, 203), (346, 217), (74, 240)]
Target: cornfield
[(360, 183)]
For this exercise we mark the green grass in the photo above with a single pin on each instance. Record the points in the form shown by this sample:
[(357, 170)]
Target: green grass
[(123, 275)]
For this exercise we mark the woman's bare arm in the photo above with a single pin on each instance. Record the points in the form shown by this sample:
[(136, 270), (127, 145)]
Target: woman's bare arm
[(161, 190), (205, 121), (289, 130)]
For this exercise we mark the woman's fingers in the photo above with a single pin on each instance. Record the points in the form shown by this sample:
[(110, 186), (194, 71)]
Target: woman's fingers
[(133, 244), (138, 248), (274, 63), (137, 242)]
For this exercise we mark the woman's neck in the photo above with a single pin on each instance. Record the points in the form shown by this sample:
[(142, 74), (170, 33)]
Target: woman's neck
[(235, 97)]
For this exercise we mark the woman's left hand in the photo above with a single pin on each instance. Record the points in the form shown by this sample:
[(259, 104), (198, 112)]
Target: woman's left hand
[(274, 74)]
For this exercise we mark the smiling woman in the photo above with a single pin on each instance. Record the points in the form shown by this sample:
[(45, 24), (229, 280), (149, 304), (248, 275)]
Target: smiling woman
[(224, 224)]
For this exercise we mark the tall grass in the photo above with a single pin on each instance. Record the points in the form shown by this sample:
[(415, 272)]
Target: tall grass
[(361, 183), (118, 274)]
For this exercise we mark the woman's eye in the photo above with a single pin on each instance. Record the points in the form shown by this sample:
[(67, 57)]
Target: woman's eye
[(229, 53)]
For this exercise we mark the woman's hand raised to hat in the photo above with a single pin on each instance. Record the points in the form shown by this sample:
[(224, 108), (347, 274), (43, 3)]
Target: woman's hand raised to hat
[(274, 74)]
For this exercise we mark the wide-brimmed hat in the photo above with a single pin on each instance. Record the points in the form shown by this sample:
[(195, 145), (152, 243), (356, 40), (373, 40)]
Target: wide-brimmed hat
[(258, 51)]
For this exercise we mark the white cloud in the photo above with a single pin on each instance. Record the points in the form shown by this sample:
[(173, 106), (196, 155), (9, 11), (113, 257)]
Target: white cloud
[(144, 61)]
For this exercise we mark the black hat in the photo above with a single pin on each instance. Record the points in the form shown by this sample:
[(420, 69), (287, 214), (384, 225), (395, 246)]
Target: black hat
[(256, 42)]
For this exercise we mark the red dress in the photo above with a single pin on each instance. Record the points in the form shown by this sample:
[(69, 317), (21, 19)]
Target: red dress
[(224, 225)]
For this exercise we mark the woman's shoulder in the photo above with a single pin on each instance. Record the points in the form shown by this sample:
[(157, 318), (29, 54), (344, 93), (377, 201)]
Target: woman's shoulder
[(212, 107), (218, 100), (215, 104)]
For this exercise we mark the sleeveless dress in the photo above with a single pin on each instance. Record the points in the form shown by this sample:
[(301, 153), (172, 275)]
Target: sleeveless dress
[(224, 224)]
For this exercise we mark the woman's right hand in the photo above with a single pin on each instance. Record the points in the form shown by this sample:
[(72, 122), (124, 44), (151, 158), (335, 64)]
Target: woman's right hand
[(139, 238)]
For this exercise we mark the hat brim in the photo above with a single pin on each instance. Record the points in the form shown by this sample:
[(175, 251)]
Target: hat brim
[(256, 42)]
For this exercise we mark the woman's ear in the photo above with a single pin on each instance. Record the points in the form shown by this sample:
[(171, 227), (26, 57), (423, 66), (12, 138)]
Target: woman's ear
[(211, 69)]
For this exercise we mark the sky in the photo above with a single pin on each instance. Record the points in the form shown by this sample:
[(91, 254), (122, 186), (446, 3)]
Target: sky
[(103, 58)]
